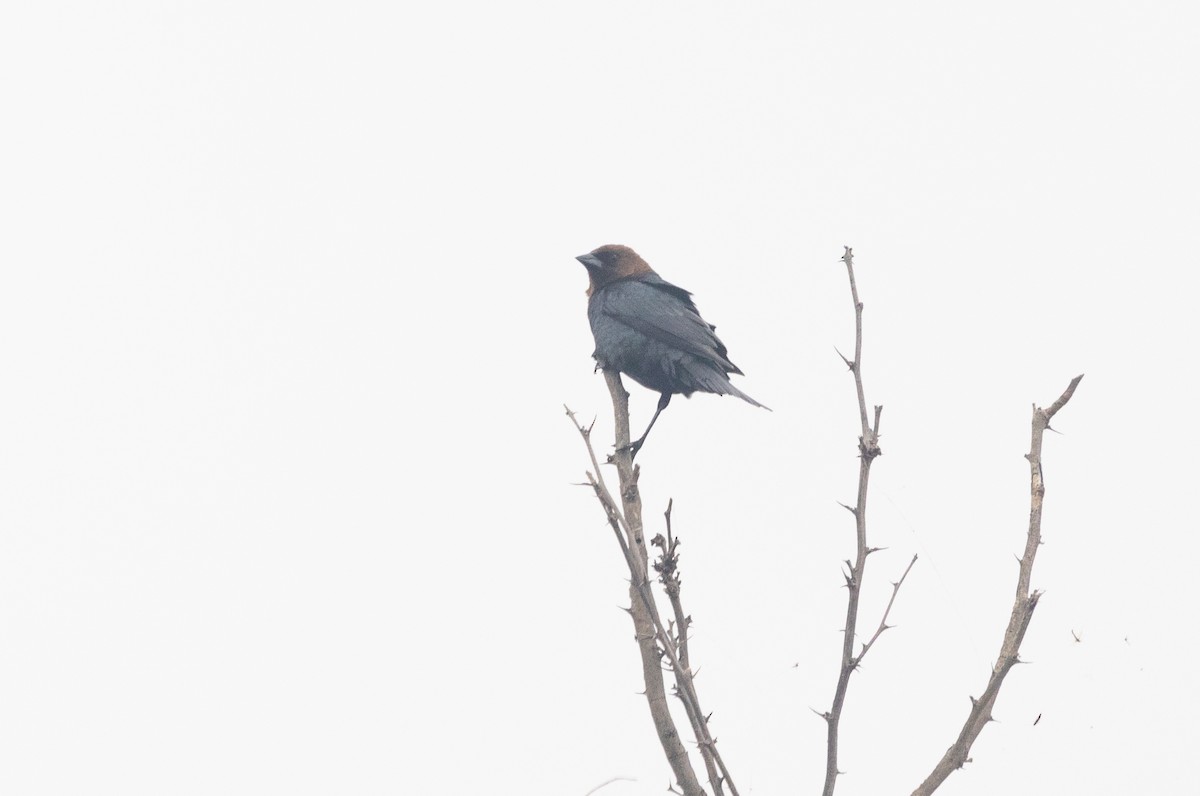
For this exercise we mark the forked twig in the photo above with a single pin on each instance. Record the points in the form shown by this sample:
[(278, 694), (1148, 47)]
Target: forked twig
[(883, 625)]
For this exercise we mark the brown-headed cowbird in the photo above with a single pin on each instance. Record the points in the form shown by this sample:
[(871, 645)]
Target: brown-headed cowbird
[(649, 329)]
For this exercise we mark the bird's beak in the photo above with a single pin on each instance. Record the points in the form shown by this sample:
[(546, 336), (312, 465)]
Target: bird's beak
[(590, 261)]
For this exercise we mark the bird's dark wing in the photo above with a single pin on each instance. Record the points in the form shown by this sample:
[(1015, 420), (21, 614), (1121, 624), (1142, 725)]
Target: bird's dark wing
[(665, 313)]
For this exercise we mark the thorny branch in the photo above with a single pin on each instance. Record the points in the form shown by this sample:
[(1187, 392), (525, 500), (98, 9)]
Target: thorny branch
[(869, 450), (667, 568), (1022, 611), (655, 641)]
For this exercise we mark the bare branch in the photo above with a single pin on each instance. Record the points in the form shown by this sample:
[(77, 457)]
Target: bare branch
[(667, 567), (596, 482), (1022, 612), (654, 638), (642, 609), (856, 365), (1062, 399), (868, 447)]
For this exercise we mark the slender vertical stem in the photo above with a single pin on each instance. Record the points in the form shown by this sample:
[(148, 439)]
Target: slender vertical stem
[(868, 446)]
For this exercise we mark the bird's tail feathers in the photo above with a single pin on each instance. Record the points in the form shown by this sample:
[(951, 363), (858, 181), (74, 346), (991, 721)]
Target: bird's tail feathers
[(731, 390), (717, 382)]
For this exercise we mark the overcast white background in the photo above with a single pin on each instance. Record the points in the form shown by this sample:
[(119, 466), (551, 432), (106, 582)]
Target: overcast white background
[(289, 312)]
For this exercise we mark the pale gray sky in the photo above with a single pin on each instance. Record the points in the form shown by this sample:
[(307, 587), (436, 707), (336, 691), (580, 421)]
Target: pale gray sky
[(289, 312)]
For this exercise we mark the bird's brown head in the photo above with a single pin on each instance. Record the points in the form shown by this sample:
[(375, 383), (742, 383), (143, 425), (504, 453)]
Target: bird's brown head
[(610, 263)]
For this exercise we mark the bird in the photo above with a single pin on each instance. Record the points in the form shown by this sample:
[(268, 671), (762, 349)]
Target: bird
[(650, 330)]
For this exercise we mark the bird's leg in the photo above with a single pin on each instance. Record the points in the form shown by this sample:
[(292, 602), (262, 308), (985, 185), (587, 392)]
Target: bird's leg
[(636, 445)]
